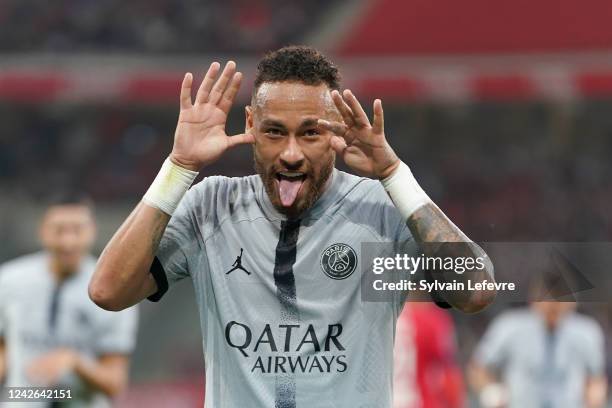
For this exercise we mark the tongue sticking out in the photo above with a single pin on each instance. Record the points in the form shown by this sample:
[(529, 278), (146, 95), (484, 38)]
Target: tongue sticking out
[(288, 191)]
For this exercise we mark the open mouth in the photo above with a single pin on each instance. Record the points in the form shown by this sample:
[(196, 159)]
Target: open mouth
[(289, 185)]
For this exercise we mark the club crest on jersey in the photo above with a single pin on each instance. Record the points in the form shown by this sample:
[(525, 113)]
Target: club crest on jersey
[(338, 261)]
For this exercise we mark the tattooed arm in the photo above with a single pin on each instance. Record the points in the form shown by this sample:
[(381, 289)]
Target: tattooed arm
[(363, 147), (122, 276), (439, 237)]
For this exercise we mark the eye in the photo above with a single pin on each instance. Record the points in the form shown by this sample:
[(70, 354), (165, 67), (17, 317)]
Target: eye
[(274, 132), (312, 132)]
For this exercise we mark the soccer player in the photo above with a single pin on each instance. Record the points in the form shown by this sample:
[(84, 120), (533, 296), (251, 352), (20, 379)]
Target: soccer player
[(426, 372), (52, 334), (544, 356), (288, 327)]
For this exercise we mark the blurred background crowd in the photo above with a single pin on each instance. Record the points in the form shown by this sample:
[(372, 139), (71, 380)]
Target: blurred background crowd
[(159, 26), (504, 113)]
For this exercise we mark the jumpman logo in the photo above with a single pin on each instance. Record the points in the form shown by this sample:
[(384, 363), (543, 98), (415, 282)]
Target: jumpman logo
[(238, 265)]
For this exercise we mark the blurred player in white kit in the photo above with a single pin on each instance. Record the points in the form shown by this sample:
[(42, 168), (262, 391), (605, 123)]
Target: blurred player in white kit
[(51, 333), (542, 356)]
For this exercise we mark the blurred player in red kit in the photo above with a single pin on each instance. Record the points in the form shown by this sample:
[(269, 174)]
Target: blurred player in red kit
[(426, 373)]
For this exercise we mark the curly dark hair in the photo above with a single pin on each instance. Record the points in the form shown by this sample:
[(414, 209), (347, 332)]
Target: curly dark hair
[(297, 63)]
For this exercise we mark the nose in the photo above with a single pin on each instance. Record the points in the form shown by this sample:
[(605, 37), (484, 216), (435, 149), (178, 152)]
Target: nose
[(292, 156), (69, 240)]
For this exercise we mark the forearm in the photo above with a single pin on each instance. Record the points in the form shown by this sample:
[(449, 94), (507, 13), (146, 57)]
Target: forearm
[(596, 392), (109, 377), (122, 276), (440, 237), (479, 377), (2, 360)]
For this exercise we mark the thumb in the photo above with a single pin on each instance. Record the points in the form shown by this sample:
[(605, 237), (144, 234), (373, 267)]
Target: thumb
[(243, 138), (338, 144)]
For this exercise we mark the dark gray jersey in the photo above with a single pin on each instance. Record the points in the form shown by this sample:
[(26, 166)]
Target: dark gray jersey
[(281, 314), (38, 316)]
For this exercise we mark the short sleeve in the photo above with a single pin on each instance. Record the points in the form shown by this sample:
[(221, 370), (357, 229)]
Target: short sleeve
[(595, 354), (178, 242), (492, 350), (117, 332), (403, 244)]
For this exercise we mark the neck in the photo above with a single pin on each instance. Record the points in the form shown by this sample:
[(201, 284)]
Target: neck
[(60, 271), (327, 182)]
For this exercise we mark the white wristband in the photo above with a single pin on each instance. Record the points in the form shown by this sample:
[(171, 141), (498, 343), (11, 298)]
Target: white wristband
[(405, 191), (493, 395), (169, 187)]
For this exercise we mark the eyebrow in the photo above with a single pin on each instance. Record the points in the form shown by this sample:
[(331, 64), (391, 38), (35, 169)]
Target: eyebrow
[(309, 122), (272, 122), (305, 123)]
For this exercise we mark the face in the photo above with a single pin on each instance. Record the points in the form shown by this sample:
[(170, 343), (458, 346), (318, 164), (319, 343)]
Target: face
[(553, 312), (292, 154), (67, 232)]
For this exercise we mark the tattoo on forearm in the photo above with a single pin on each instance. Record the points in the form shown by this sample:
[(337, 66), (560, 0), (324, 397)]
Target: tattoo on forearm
[(439, 237), (429, 224), (158, 231)]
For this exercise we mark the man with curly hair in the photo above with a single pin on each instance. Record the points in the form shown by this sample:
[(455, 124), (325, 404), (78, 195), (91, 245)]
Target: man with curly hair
[(288, 327)]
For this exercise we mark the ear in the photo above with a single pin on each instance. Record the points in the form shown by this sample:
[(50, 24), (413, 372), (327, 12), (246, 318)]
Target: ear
[(93, 231), (248, 118), (41, 233)]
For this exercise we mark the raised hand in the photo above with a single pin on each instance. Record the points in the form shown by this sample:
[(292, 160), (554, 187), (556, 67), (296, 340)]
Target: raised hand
[(200, 137), (362, 145)]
